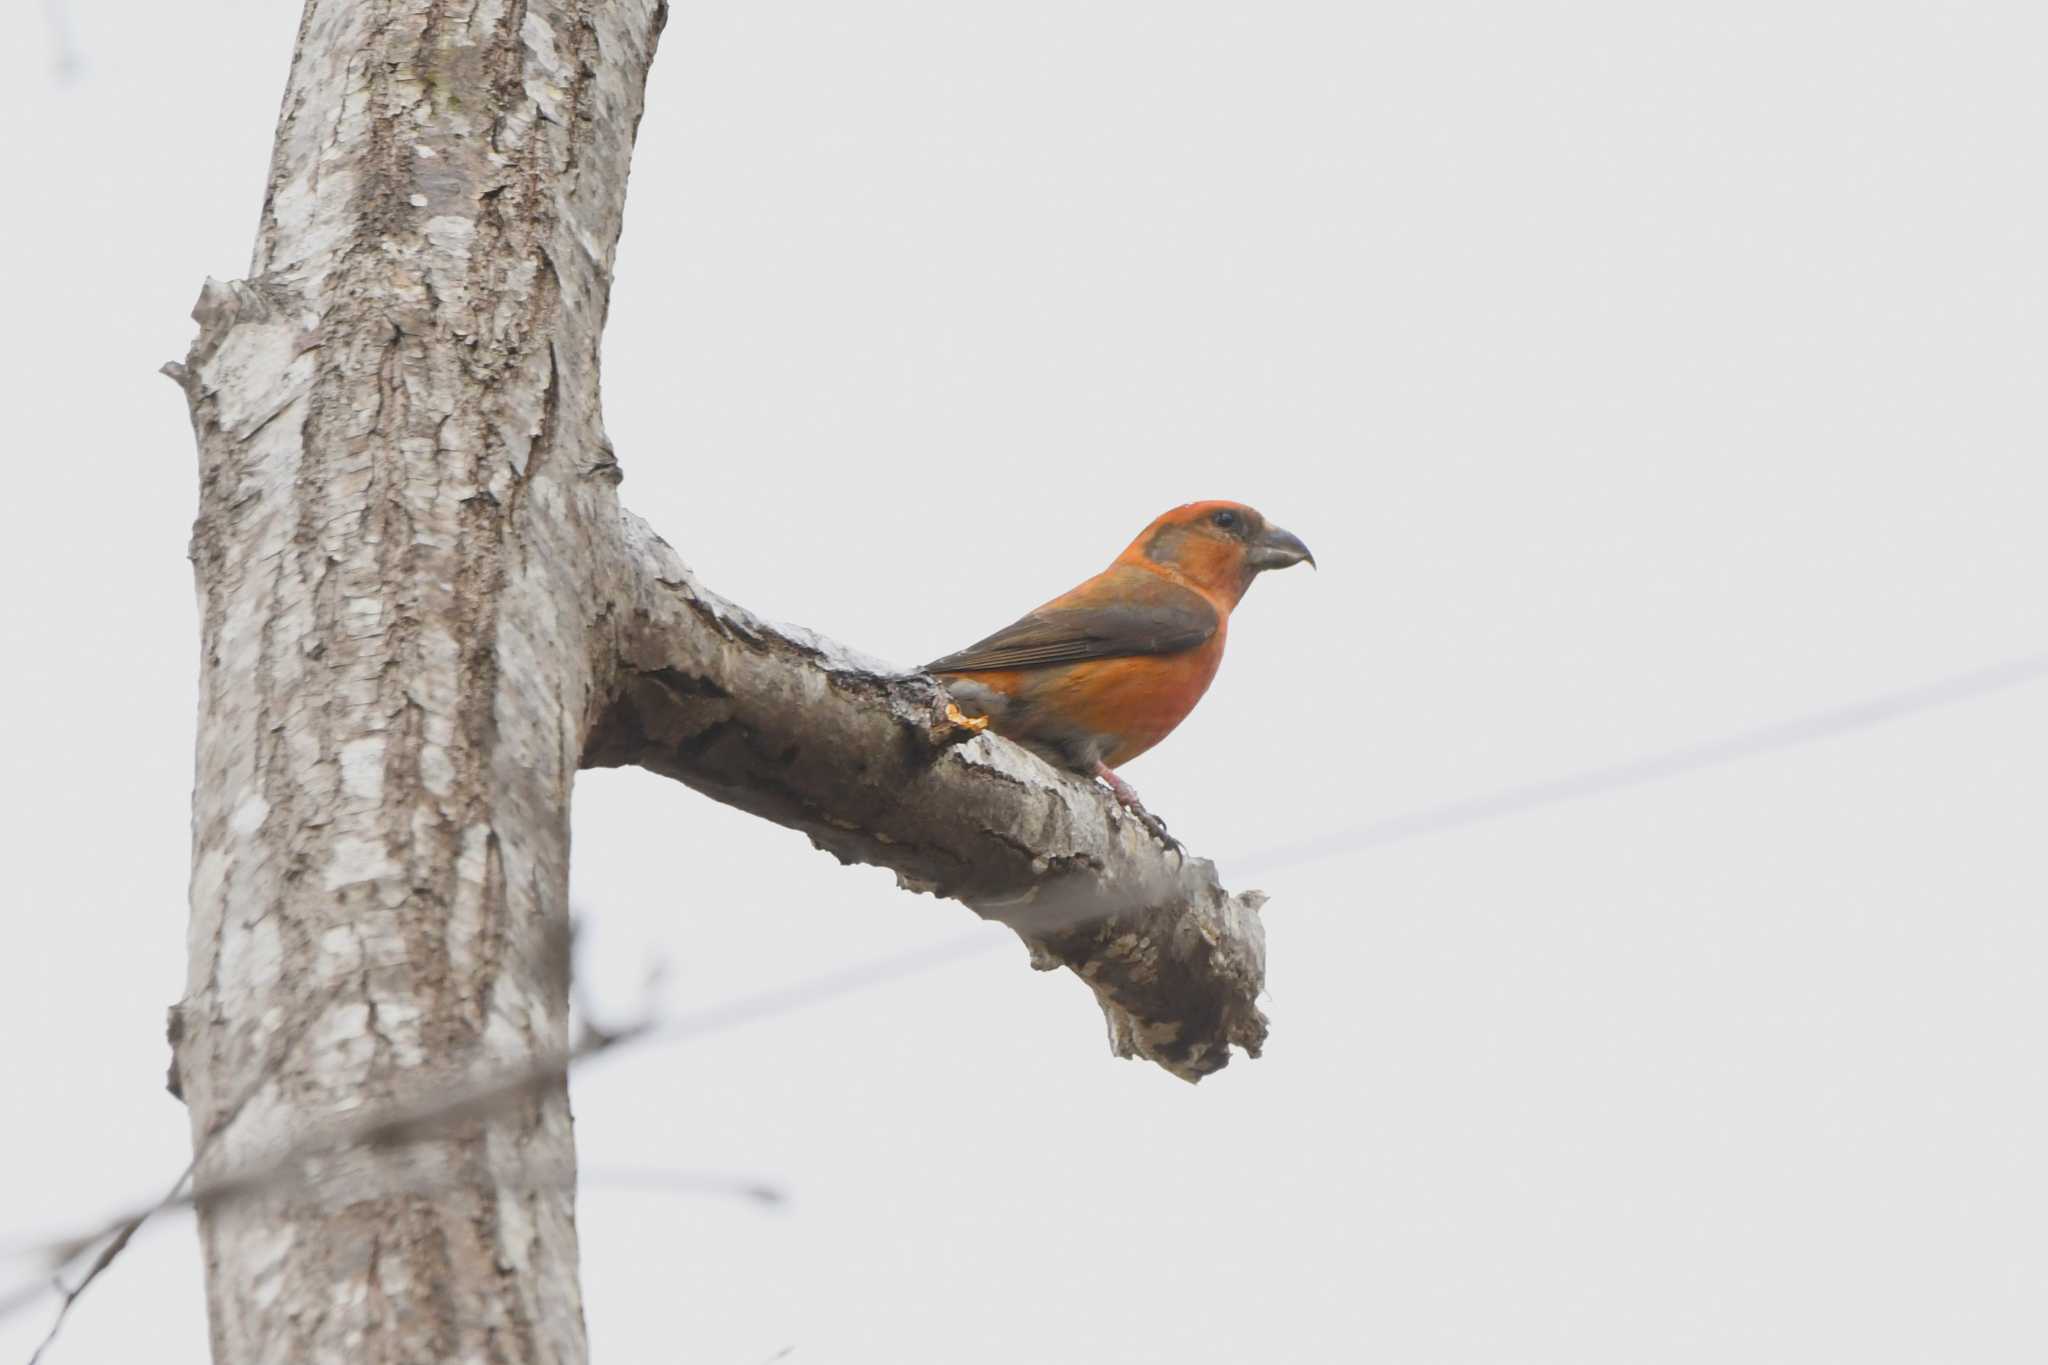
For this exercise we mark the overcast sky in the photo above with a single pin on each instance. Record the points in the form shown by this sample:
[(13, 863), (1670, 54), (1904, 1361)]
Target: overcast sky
[(1639, 373)]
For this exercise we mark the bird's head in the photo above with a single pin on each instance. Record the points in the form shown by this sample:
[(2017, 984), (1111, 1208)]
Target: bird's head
[(1218, 546)]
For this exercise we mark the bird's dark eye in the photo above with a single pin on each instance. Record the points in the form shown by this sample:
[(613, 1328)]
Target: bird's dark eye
[(1226, 519)]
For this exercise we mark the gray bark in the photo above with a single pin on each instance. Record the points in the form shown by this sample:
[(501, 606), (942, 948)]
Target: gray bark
[(402, 475), (422, 609)]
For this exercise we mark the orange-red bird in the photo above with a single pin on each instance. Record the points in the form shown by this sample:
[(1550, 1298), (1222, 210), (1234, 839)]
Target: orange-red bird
[(1100, 674)]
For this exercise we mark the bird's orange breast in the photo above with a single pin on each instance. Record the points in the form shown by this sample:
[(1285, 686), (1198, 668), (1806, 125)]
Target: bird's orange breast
[(1132, 702)]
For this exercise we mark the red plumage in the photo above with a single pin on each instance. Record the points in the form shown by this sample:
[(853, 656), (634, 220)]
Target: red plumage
[(1100, 674)]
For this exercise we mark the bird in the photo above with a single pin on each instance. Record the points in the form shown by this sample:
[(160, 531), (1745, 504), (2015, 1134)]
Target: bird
[(1102, 673)]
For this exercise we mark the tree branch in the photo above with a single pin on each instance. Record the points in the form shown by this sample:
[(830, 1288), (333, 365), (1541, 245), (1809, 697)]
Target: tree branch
[(861, 757)]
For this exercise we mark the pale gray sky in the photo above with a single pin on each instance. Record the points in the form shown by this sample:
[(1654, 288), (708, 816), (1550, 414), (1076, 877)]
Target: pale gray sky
[(1639, 374)]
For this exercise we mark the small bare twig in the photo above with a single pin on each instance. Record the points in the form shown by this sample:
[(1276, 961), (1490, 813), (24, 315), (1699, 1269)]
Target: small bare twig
[(117, 1244), (687, 1182), (400, 1127), (121, 1231)]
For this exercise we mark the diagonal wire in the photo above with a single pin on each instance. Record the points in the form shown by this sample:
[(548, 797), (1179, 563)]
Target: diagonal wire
[(1811, 728), (1796, 732)]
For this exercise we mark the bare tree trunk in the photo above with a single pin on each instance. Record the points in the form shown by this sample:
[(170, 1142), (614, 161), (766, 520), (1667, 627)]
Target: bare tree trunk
[(400, 485), (422, 609)]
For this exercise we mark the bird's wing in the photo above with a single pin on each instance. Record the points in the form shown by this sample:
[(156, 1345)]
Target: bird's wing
[(1122, 613)]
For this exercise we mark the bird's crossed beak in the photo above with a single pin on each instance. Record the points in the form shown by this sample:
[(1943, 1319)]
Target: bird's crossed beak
[(1277, 549)]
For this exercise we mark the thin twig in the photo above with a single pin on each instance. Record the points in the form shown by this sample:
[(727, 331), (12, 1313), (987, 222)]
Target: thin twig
[(391, 1129), (123, 1234), (121, 1231)]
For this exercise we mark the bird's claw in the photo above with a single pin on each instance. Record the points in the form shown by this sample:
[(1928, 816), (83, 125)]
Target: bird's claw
[(1156, 827), (964, 721), (1127, 797)]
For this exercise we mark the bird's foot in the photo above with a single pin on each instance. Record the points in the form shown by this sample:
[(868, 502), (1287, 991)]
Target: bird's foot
[(1127, 797), (964, 721)]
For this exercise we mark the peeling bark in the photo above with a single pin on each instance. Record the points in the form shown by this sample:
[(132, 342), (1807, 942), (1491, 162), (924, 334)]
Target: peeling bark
[(421, 609), (397, 414)]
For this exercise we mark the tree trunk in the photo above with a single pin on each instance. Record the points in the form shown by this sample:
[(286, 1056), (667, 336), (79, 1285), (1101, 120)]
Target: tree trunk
[(422, 609), (400, 491)]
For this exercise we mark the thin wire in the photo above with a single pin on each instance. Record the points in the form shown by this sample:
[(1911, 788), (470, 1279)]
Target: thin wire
[(1661, 767), (1811, 728)]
